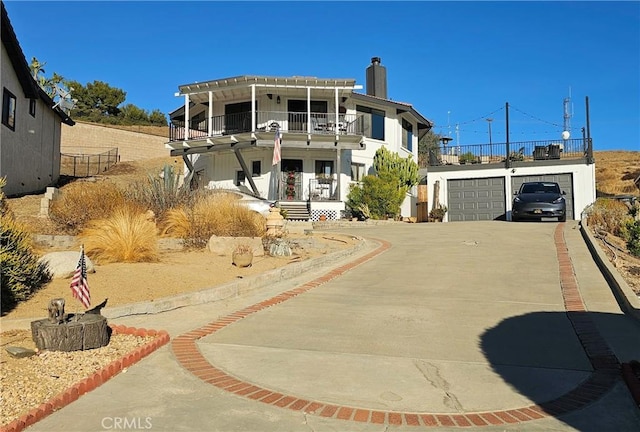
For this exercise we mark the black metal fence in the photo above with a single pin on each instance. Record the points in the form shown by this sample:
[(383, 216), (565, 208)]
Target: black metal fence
[(498, 153), (82, 165)]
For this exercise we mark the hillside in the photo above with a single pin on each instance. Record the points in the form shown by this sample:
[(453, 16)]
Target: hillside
[(616, 172)]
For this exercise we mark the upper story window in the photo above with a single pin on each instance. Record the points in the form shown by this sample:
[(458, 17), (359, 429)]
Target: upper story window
[(407, 135), (32, 107), (8, 109), (373, 122)]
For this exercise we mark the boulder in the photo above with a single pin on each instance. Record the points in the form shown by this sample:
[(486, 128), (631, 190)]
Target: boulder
[(63, 264), (225, 245)]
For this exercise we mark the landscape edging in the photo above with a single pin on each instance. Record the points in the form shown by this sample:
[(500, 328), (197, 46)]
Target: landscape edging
[(95, 380), (231, 289), (627, 299)]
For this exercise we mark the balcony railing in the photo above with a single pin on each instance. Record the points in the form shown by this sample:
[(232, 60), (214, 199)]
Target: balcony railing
[(322, 189), (496, 153), (288, 122)]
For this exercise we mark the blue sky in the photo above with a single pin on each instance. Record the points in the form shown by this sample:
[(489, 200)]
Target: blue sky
[(456, 62)]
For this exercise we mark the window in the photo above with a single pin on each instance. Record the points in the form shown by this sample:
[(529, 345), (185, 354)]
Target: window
[(8, 109), (240, 178), (237, 117), (373, 122), (357, 171), (324, 168), (32, 107), (407, 135), (256, 168)]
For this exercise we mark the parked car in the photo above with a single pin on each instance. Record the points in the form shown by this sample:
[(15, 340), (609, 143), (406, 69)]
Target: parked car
[(539, 200)]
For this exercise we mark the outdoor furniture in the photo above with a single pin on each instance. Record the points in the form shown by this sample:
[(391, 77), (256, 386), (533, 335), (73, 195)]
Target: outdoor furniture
[(540, 153)]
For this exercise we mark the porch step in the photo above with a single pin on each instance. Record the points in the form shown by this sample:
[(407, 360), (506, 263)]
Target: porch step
[(296, 211)]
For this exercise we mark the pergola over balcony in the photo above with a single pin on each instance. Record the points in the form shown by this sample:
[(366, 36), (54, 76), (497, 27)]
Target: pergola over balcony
[(230, 128)]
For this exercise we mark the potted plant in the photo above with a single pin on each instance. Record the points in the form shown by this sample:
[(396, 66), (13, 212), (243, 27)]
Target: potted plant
[(437, 214), (467, 158), (242, 255)]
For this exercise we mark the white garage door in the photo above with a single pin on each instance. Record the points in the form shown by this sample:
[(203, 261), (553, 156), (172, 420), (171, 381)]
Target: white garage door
[(476, 199), (564, 180)]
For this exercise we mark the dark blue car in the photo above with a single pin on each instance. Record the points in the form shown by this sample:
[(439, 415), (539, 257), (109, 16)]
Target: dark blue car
[(538, 200)]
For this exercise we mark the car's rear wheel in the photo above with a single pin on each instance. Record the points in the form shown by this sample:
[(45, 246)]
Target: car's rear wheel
[(562, 218)]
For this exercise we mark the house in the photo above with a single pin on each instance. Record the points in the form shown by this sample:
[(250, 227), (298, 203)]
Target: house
[(31, 122), (328, 134), (477, 182)]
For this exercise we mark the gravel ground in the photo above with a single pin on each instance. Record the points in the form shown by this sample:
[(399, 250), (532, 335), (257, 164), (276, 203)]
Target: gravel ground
[(26, 383)]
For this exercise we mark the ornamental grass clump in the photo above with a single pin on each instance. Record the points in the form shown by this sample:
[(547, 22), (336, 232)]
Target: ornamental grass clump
[(127, 235), (609, 215), (21, 273), (217, 214), (80, 202)]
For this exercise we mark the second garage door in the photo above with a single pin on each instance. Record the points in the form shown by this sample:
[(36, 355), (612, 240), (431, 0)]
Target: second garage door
[(476, 199), (564, 180)]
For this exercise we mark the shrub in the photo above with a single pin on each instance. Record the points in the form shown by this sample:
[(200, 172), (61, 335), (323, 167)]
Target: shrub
[(127, 235), (633, 237), (160, 194), (80, 202), (609, 215), (21, 274), (381, 196), (213, 214)]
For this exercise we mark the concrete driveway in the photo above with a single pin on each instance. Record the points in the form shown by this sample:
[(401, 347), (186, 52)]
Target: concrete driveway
[(449, 325)]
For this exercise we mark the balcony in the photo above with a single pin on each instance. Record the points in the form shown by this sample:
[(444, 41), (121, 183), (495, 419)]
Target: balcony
[(496, 154), (269, 121)]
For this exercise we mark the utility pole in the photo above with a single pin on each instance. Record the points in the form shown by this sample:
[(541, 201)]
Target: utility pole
[(489, 120)]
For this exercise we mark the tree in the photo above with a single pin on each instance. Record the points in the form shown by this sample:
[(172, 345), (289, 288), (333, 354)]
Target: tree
[(430, 143), (157, 118), (97, 101), (48, 84)]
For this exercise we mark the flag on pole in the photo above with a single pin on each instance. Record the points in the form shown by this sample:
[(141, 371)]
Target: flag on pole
[(276, 148), (79, 285)]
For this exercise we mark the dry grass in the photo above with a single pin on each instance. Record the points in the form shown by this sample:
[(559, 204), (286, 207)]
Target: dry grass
[(616, 172), (125, 236), (80, 202), (609, 215), (213, 214)]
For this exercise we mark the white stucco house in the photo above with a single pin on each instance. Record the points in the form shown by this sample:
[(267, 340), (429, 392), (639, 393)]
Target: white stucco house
[(31, 123), (328, 132)]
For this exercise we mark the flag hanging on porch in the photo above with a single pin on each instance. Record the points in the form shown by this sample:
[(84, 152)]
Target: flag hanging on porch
[(79, 284), (276, 148)]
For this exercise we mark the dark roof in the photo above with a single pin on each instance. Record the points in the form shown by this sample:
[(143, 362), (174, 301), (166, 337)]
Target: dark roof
[(29, 85), (423, 122)]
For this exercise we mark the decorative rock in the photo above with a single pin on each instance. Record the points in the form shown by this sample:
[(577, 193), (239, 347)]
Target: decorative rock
[(226, 245), (62, 265), (88, 331), (280, 247), (20, 352), (275, 222)]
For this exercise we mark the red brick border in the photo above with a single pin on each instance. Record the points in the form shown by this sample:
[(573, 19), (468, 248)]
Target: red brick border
[(95, 380), (604, 362)]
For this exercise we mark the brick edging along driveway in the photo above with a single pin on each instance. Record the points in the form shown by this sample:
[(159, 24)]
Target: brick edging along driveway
[(605, 375)]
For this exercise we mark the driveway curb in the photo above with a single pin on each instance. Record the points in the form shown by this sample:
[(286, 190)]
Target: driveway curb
[(626, 298)]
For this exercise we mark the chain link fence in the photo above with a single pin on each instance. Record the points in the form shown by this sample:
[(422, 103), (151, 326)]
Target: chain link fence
[(82, 165)]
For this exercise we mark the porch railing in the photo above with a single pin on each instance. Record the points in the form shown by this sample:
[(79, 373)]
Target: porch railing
[(288, 122), (322, 189), (496, 153)]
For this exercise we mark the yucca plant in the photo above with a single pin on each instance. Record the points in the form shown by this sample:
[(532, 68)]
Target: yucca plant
[(127, 235), (20, 272)]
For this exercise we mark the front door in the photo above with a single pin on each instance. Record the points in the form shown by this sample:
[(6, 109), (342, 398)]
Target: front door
[(291, 180)]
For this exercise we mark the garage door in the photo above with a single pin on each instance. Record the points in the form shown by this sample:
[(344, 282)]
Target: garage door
[(476, 199), (564, 180)]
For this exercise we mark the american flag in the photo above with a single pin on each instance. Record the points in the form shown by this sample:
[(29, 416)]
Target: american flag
[(79, 285), (276, 148)]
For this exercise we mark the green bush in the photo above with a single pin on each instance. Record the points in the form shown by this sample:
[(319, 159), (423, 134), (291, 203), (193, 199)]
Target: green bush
[(632, 235), (21, 274), (381, 196)]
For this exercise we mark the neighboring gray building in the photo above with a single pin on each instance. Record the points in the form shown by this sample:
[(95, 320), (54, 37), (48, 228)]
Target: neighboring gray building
[(31, 123)]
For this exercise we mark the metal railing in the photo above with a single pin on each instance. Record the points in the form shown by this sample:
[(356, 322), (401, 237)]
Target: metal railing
[(496, 153), (288, 122), (322, 189), (82, 165)]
